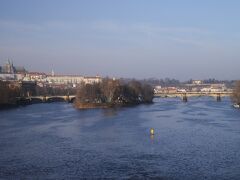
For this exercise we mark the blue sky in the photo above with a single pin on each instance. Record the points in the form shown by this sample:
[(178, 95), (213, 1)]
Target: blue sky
[(180, 39)]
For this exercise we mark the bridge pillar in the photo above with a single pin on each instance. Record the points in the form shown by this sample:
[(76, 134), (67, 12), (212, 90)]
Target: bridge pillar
[(67, 98), (218, 97), (184, 98), (44, 99)]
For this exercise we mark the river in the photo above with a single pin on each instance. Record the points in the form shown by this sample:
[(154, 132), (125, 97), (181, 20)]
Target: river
[(199, 139)]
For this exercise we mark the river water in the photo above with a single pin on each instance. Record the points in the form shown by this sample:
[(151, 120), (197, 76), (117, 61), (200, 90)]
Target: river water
[(199, 139)]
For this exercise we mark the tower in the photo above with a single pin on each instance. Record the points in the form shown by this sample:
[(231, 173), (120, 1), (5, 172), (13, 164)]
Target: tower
[(52, 72), (8, 67)]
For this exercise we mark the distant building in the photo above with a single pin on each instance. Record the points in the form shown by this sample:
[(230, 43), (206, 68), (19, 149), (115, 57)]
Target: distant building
[(165, 90), (218, 87), (157, 89), (92, 80), (72, 79), (8, 68), (197, 82), (181, 90), (10, 72), (206, 89), (6, 76), (19, 70), (64, 79), (35, 76), (214, 88), (28, 88)]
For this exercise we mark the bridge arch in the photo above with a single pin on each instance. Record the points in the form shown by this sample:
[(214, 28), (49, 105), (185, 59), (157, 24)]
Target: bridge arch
[(55, 99), (72, 99), (36, 100)]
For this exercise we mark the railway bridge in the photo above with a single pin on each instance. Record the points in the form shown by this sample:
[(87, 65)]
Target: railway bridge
[(184, 95)]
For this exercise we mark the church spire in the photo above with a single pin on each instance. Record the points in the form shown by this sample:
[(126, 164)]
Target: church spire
[(53, 73)]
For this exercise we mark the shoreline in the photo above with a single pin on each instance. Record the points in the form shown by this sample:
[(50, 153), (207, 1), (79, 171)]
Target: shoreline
[(106, 105), (80, 106), (24, 102)]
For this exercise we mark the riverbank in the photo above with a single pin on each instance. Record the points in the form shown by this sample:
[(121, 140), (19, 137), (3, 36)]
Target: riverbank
[(7, 106), (23, 102), (17, 103), (79, 105), (91, 105)]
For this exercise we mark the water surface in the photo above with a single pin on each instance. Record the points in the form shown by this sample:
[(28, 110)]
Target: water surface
[(199, 139)]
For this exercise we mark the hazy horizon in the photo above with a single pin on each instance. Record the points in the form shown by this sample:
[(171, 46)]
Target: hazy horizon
[(131, 39)]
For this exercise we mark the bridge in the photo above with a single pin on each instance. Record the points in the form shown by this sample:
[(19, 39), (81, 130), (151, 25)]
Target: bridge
[(184, 95), (192, 94), (68, 98)]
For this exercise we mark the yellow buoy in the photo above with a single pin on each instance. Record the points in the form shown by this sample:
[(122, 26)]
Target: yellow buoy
[(152, 131)]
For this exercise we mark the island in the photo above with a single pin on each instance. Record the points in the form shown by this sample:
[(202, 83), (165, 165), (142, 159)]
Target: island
[(113, 93)]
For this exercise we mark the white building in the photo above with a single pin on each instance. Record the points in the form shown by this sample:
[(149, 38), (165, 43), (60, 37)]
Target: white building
[(7, 76), (92, 80), (206, 89), (157, 89), (215, 88), (181, 90), (71, 79), (197, 82), (65, 79)]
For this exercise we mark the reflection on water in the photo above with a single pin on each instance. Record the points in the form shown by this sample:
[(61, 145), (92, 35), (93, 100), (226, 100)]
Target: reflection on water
[(152, 137), (194, 140), (110, 112)]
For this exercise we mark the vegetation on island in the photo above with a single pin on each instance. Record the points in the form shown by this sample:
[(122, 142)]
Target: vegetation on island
[(236, 93), (111, 93)]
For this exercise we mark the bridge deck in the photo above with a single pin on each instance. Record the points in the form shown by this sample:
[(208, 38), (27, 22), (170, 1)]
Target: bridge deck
[(180, 94), (46, 98)]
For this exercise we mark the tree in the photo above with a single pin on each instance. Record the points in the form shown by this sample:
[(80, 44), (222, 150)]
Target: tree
[(89, 93), (113, 92), (8, 92), (108, 87), (147, 93), (236, 93), (136, 86), (126, 94)]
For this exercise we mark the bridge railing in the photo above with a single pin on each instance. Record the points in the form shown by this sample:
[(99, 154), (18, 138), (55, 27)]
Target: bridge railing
[(180, 94), (66, 98)]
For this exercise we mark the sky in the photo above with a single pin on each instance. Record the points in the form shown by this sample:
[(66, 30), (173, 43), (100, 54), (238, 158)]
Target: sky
[(179, 39)]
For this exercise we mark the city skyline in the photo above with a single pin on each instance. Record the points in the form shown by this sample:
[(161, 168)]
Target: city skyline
[(135, 39)]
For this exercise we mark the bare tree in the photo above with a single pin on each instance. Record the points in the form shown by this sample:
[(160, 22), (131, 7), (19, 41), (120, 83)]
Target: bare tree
[(8, 93), (112, 92), (108, 87), (89, 93), (147, 93), (236, 93)]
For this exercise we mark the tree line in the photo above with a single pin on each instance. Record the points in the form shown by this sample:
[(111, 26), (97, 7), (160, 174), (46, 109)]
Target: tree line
[(115, 92), (8, 93)]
